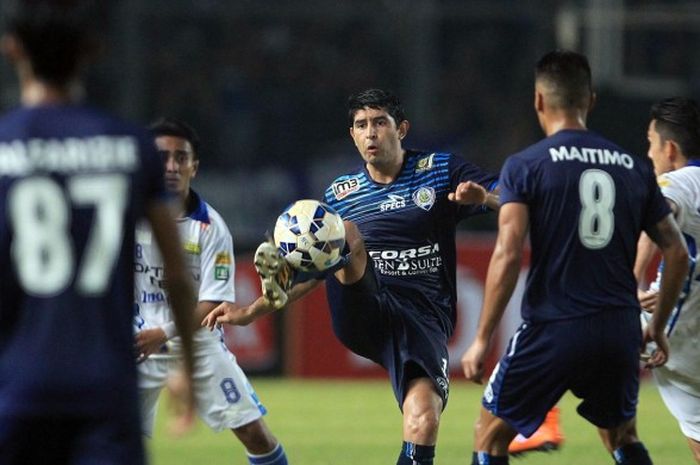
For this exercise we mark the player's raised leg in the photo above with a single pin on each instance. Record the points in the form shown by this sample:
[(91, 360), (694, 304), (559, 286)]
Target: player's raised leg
[(356, 264)]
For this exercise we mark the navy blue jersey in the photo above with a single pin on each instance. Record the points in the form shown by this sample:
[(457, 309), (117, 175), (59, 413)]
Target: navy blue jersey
[(409, 225), (73, 181), (588, 200)]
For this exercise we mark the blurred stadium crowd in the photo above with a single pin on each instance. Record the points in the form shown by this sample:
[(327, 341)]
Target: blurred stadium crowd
[(265, 83)]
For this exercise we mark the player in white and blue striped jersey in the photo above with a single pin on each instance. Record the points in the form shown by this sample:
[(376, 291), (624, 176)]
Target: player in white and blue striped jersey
[(674, 148), (394, 299)]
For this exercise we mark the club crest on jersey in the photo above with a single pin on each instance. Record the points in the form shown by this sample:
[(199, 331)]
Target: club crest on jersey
[(425, 164), (424, 197), (342, 189), (393, 203)]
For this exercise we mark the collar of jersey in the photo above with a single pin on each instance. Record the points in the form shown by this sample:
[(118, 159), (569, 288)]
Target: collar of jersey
[(693, 162), (200, 212)]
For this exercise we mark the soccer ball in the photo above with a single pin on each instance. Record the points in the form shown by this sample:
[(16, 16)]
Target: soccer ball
[(310, 235)]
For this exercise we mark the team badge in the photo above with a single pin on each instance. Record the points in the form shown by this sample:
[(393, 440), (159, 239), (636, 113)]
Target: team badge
[(425, 164), (342, 189), (424, 198), (663, 181)]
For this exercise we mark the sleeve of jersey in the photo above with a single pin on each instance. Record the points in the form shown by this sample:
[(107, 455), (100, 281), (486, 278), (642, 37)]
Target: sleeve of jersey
[(514, 182), (217, 265), (676, 191), (657, 207), (461, 171)]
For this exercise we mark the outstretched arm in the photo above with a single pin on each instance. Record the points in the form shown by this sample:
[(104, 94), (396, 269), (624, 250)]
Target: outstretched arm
[(501, 278), (472, 193), (233, 314)]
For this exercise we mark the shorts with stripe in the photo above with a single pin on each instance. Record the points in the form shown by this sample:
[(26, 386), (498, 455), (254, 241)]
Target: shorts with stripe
[(595, 356), (382, 325)]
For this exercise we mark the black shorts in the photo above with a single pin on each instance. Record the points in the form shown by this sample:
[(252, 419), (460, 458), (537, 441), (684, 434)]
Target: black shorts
[(596, 357), (380, 324)]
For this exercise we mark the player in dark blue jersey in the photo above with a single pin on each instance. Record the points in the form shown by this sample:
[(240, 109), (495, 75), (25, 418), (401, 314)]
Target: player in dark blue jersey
[(394, 300), (584, 201), (73, 181)]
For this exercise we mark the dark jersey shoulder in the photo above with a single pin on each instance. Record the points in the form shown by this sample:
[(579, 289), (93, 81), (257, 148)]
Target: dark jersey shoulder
[(588, 199)]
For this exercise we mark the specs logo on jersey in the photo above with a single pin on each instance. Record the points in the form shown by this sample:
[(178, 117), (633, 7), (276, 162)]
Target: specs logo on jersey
[(394, 203), (425, 164), (424, 198), (342, 189)]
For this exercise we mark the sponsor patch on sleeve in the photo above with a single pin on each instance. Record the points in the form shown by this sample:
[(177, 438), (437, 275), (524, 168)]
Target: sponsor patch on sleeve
[(222, 266)]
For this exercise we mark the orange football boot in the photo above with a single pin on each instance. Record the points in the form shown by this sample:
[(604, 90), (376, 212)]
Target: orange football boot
[(548, 437)]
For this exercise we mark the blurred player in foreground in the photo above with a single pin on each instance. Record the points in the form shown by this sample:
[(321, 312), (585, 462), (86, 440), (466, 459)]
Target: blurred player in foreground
[(73, 183), (584, 201), (225, 398), (393, 300), (674, 148)]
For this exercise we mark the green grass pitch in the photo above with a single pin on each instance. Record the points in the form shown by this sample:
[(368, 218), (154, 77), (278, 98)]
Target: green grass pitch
[(339, 422)]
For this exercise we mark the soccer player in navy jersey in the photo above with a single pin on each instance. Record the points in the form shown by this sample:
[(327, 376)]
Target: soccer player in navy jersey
[(73, 182), (393, 301), (584, 201)]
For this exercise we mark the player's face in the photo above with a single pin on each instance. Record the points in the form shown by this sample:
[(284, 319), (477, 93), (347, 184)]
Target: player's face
[(180, 164), (377, 137), (657, 151)]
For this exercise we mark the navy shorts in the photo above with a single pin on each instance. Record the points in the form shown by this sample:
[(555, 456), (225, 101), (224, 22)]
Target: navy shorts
[(71, 440), (596, 357), (378, 323)]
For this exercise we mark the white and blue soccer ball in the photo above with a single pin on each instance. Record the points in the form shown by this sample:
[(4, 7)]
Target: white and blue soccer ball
[(310, 235)]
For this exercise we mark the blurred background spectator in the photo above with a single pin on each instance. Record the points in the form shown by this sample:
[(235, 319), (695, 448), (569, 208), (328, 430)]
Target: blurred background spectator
[(268, 80)]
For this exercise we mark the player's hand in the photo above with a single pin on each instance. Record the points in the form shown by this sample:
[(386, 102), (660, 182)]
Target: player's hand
[(660, 355), (181, 403), (473, 361), (148, 342), (228, 313), (648, 300), (275, 274), (468, 193)]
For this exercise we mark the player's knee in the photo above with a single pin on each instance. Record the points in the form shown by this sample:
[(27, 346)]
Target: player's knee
[(355, 269), (353, 237), (422, 422)]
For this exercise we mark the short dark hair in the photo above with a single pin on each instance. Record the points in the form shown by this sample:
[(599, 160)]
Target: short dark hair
[(58, 36), (568, 76), (176, 128), (377, 99), (678, 119)]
